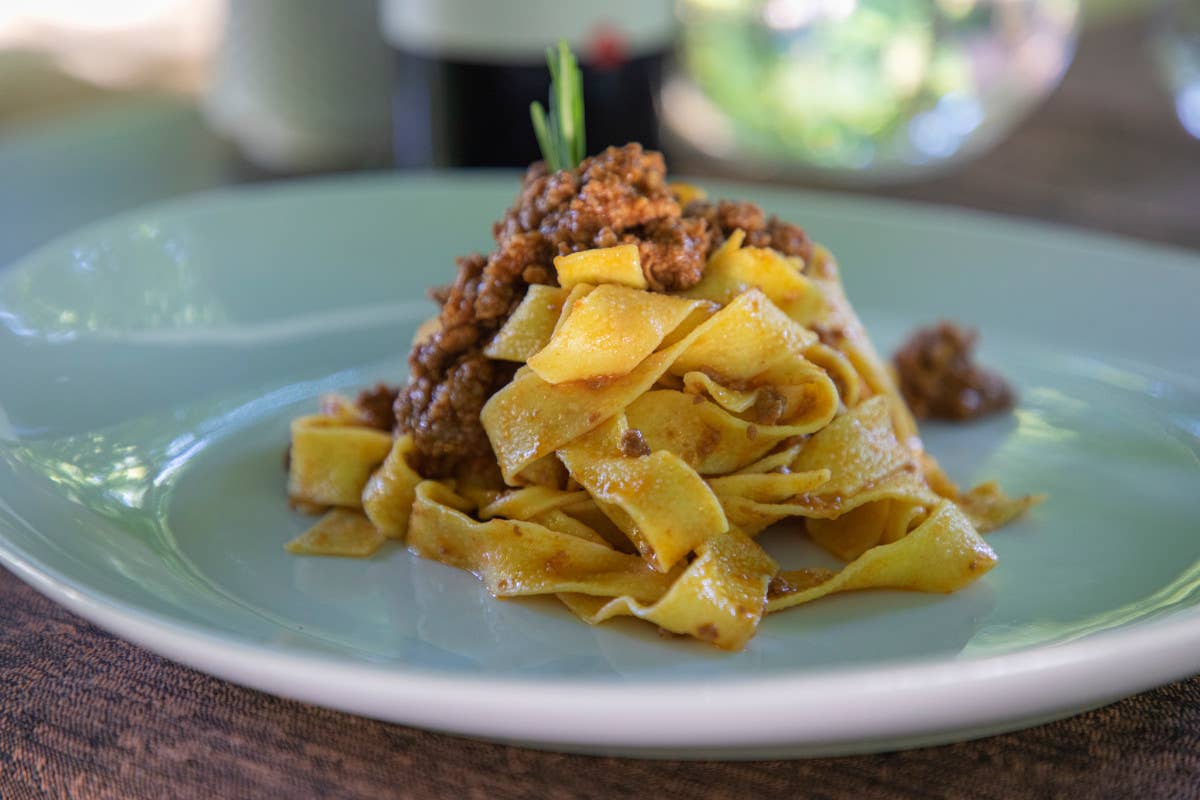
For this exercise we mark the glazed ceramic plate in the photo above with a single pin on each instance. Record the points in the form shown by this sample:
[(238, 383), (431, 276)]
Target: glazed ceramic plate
[(151, 365)]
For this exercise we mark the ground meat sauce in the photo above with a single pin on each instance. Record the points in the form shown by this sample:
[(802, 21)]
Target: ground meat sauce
[(633, 444), (939, 380), (619, 196), (769, 406), (376, 406), (726, 216)]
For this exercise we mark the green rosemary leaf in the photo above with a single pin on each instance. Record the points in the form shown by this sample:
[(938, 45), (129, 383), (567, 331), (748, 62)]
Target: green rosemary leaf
[(560, 131), (538, 115)]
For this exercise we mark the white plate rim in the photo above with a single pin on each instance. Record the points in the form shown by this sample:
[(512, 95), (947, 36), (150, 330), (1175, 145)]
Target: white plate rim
[(863, 708)]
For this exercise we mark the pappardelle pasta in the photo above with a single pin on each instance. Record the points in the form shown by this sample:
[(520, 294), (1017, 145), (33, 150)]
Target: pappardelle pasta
[(641, 434)]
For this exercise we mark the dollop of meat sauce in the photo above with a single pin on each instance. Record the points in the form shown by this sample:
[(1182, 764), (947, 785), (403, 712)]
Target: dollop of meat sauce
[(619, 196), (376, 404), (939, 379)]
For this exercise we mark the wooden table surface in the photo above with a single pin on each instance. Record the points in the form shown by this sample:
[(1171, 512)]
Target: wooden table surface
[(85, 715)]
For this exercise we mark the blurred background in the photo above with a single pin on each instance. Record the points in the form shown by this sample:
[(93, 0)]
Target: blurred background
[(1083, 111)]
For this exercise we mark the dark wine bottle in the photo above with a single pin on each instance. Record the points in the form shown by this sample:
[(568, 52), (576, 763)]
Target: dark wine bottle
[(467, 71)]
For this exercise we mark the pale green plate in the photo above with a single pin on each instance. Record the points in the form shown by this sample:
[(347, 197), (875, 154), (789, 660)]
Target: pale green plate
[(151, 364)]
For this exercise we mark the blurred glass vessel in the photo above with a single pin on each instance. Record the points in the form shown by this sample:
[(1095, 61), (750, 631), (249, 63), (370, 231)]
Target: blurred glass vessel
[(1177, 28), (861, 91)]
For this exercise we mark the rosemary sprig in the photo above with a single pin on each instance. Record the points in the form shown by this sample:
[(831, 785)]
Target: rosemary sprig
[(560, 133)]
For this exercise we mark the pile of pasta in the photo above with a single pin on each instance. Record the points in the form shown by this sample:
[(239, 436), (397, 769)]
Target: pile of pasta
[(648, 438)]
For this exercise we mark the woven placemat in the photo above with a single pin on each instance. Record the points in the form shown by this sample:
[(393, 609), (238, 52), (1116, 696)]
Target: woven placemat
[(86, 715)]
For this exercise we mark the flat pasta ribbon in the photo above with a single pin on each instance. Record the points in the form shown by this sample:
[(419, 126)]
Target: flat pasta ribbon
[(517, 557)]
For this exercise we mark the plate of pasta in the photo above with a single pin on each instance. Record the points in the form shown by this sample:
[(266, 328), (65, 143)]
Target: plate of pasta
[(636, 476), (169, 358), (617, 431)]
